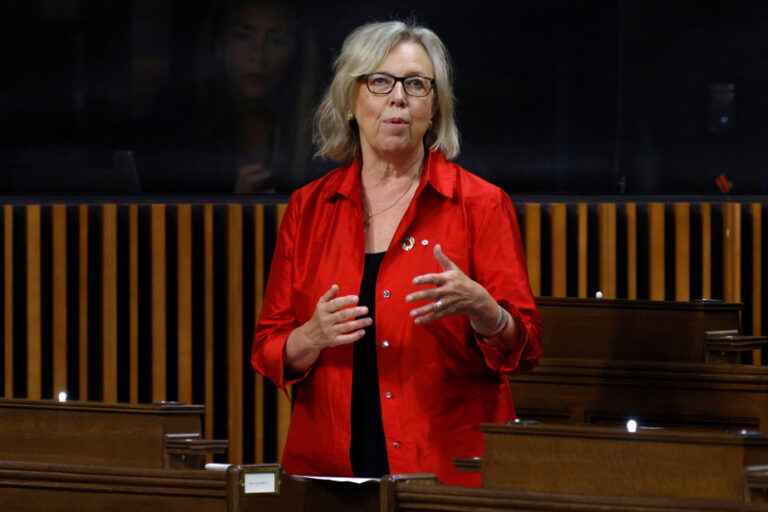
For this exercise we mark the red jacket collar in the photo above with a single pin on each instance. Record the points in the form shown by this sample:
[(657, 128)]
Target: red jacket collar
[(438, 173)]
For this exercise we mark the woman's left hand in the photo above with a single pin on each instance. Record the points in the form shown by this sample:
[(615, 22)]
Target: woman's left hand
[(454, 293)]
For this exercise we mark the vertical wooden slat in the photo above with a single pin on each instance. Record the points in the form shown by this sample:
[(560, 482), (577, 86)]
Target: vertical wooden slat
[(736, 247), (184, 301), (259, 273), (208, 240), (8, 294), (235, 330), (283, 399), (34, 304), (133, 301), (159, 353), (732, 252), (757, 277), (606, 221), (109, 302), (706, 251), (630, 209), (656, 251), (682, 213), (82, 300), (533, 245), (582, 213), (59, 334), (727, 254), (559, 230)]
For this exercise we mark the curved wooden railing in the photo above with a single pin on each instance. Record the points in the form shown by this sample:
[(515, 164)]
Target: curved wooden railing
[(150, 300)]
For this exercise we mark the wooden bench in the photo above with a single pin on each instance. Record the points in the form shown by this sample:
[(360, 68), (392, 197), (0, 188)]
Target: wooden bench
[(36, 487), (594, 461), (131, 436)]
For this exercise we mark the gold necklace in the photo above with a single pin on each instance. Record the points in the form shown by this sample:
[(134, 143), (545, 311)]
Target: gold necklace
[(369, 216)]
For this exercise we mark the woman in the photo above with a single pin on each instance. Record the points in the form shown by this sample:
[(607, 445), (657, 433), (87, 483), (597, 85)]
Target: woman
[(398, 299), (247, 118)]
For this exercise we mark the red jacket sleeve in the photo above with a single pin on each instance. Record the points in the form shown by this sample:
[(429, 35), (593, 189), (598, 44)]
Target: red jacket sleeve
[(277, 319), (499, 265)]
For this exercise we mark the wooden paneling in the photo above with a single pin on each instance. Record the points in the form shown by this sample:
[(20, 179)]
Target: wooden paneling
[(34, 304), (59, 334), (656, 256), (732, 252), (133, 302), (159, 351), (559, 270), (109, 302), (8, 296), (82, 301), (606, 222), (630, 210), (533, 245), (235, 330), (88, 295), (582, 241), (283, 399), (682, 213), (757, 268), (706, 250), (259, 275), (757, 277), (208, 291), (184, 301)]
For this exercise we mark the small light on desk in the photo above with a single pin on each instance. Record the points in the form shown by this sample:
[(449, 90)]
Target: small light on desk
[(517, 420), (63, 396), (631, 426), (599, 294)]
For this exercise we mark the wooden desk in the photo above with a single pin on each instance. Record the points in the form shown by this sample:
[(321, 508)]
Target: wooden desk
[(131, 436), (594, 461), (632, 330), (431, 496), (33, 487), (661, 394)]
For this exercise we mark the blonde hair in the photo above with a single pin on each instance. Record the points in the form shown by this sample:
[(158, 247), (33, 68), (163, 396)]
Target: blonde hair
[(336, 136)]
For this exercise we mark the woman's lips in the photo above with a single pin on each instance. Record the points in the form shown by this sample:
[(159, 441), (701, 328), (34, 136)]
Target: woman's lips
[(396, 120)]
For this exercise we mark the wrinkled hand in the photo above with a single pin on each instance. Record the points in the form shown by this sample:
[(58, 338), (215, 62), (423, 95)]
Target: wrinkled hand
[(336, 320), (454, 293)]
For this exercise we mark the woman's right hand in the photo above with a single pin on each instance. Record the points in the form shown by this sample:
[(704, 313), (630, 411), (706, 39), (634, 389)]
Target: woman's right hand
[(336, 321)]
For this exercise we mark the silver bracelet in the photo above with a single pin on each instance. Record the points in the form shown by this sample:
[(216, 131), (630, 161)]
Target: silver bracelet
[(500, 325)]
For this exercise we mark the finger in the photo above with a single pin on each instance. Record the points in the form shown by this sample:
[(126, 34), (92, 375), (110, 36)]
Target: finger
[(423, 310), (436, 309), (348, 313), (346, 339), (436, 279), (431, 294), (341, 303), (429, 317), (347, 327), (330, 293), (442, 259)]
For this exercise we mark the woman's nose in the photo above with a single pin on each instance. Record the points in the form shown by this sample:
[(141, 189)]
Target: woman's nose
[(397, 95)]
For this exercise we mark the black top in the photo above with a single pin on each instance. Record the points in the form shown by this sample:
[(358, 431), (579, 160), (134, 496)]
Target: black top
[(368, 449)]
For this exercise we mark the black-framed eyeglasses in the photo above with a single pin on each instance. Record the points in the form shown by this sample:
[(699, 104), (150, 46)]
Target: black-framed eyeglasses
[(414, 85)]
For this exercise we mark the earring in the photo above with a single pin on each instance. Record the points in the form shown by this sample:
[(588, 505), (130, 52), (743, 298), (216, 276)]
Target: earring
[(350, 117)]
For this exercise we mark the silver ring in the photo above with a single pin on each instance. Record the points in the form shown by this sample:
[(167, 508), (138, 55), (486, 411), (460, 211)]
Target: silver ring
[(438, 304)]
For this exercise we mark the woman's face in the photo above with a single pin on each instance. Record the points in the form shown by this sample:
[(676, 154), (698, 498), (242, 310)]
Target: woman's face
[(259, 48), (395, 123)]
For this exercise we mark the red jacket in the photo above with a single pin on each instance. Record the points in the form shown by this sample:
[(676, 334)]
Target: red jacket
[(437, 381)]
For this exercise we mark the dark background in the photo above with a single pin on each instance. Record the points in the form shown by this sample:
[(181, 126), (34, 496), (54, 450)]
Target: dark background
[(554, 96)]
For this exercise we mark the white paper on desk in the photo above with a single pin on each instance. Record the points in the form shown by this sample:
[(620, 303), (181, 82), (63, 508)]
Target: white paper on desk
[(340, 479), (259, 483)]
